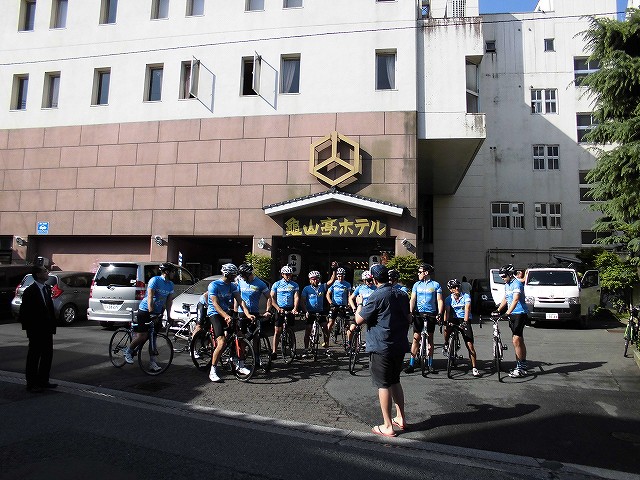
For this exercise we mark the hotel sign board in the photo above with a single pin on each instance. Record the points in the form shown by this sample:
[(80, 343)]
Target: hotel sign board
[(339, 226)]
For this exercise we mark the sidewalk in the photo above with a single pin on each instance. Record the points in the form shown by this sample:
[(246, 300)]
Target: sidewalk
[(82, 431)]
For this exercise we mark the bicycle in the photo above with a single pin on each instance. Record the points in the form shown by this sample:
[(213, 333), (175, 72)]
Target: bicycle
[(356, 349), (263, 350), (181, 331), (453, 347), (423, 350), (204, 343), (288, 339), (498, 347), (340, 325), (158, 347), (314, 336), (631, 331)]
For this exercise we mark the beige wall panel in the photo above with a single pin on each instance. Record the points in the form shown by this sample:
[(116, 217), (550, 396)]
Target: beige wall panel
[(117, 155), (199, 152), (218, 222), (75, 199), (399, 194), (352, 124), (174, 222), (254, 222), (245, 150), (178, 175), (287, 148), (42, 158), (4, 139), (92, 223), (275, 173), (298, 173), (59, 178), (79, 156), (139, 132), (26, 138), (179, 130), (314, 125), (113, 199), (135, 176), (266, 126), (12, 159), (221, 128), (9, 201), (157, 153), (281, 193), (399, 171), (134, 222), (400, 123), (198, 198), (60, 223), (99, 134), (373, 171), (389, 146), (240, 196), (96, 177), (219, 174), (62, 136), (153, 198), (18, 222), (21, 179)]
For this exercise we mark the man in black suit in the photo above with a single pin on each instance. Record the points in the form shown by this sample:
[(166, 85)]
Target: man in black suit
[(38, 319)]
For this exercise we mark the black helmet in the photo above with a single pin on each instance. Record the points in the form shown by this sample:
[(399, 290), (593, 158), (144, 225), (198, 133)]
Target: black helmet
[(507, 270), (167, 267), (394, 274), (453, 283), (245, 269), (427, 267)]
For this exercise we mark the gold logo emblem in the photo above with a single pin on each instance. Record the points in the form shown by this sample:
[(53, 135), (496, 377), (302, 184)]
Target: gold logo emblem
[(335, 160)]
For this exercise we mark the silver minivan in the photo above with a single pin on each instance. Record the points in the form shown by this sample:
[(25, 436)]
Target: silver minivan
[(118, 286)]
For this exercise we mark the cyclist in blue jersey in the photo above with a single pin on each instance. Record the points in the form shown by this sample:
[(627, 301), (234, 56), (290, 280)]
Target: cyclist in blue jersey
[(362, 291), (252, 289), (285, 297), (158, 297), (457, 310), (338, 296), (517, 310), (394, 278), (221, 295), (426, 297), (313, 296)]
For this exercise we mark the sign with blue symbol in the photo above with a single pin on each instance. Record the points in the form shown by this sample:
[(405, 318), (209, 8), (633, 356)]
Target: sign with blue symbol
[(42, 228)]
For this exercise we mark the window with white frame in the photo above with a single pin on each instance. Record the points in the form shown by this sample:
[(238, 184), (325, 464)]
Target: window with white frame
[(19, 92), (473, 90), (153, 83), (292, 4), (59, 14), (247, 77), (51, 90), (549, 45), (108, 11), (582, 67), (101, 81), (186, 81), (253, 5), (548, 216), (385, 70), (585, 123), (585, 186), (544, 101), (508, 215), (290, 74), (159, 9), (195, 8), (546, 157), (27, 15)]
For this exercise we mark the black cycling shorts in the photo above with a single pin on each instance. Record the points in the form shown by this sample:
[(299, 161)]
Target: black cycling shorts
[(517, 322), (143, 321), (218, 323), (465, 329), (281, 316), (385, 369), (321, 318), (418, 323)]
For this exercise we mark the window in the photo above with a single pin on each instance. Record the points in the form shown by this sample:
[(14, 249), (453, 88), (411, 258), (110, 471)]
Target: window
[(19, 93), (292, 4), (386, 70), (187, 83), (585, 123), (544, 101), (507, 215), (108, 11), (490, 46), (585, 186), (253, 5), (583, 67), (589, 237), (425, 5), (153, 90), (472, 87), (548, 216), (247, 76), (195, 8), (548, 45), (159, 9), (59, 14), (27, 15), (101, 80), (290, 73), (546, 157), (51, 90)]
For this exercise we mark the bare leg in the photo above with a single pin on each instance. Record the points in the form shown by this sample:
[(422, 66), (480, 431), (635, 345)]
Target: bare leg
[(276, 338), (397, 393), (215, 356), (520, 348)]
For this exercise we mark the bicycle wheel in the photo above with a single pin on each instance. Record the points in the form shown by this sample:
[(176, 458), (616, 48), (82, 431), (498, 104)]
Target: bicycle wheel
[(155, 363), (315, 340), (120, 340), (201, 350), (249, 360), (265, 354), (181, 337), (337, 328), (423, 355), (497, 355), (451, 359), (288, 346), (626, 347), (354, 352)]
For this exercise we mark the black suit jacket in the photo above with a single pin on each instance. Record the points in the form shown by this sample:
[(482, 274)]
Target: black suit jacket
[(36, 315)]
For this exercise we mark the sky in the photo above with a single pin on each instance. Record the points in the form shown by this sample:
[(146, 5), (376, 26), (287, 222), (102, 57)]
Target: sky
[(515, 6)]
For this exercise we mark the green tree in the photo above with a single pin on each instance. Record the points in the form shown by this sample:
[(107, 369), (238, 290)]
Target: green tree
[(407, 266), (617, 276), (261, 265), (615, 89)]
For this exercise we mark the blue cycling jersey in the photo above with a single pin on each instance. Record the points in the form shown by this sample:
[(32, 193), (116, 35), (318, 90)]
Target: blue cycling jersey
[(340, 291), (510, 289), (285, 292), (224, 292), (426, 292), (161, 290), (364, 291), (314, 297), (458, 306), (251, 293)]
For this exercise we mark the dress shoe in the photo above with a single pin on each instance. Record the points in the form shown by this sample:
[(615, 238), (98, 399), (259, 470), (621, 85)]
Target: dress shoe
[(49, 385)]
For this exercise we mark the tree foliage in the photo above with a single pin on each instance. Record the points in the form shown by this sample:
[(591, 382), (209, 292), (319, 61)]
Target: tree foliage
[(261, 265), (407, 266), (617, 276), (615, 88)]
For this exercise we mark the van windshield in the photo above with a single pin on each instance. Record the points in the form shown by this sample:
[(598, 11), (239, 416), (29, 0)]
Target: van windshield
[(496, 277), (552, 278)]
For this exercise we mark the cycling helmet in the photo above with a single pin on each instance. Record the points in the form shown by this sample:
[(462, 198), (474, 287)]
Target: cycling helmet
[(427, 267), (507, 270), (167, 267), (286, 269), (453, 283), (394, 275), (366, 275), (314, 274), (341, 271), (245, 269), (229, 270)]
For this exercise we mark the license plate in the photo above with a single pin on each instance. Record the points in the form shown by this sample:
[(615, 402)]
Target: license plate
[(552, 316), (111, 306)]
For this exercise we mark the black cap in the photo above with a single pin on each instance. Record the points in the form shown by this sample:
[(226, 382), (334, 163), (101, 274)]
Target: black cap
[(380, 272)]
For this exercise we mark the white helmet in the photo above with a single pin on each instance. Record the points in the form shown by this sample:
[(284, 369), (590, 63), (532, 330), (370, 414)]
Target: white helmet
[(314, 274), (366, 275), (286, 269), (229, 270)]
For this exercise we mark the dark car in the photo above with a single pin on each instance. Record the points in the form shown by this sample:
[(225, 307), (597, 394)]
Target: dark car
[(481, 298), (10, 278)]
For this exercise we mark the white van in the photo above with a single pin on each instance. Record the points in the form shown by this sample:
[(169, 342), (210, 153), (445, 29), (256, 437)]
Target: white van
[(497, 285)]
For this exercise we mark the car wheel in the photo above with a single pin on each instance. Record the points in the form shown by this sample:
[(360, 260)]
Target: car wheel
[(68, 314)]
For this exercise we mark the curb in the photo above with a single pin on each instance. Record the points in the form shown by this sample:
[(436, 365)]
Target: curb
[(636, 357)]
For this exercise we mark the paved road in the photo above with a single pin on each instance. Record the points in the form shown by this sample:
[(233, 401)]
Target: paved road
[(579, 406)]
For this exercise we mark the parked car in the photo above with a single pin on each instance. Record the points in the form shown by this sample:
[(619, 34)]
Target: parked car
[(117, 286), (481, 299), (497, 285), (190, 296), (69, 291), (10, 277)]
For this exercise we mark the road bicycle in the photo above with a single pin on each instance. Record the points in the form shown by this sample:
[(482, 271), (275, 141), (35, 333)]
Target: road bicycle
[(157, 347), (261, 343), (316, 333), (356, 349), (340, 325), (498, 347), (453, 347), (181, 331), (288, 337), (423, 349), (237, 349), (631, 332)]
